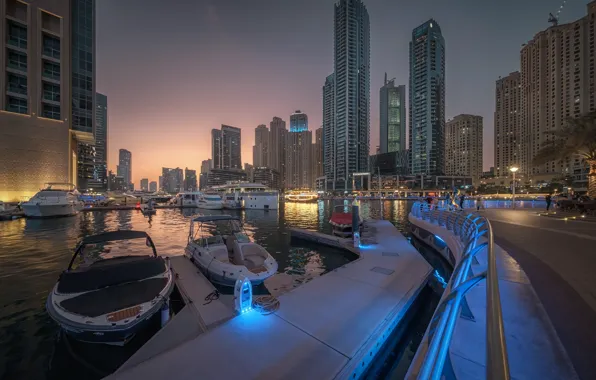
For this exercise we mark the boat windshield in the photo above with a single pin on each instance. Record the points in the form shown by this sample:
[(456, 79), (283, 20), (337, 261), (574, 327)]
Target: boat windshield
[(123, 250), (212, 198), (216, 231)]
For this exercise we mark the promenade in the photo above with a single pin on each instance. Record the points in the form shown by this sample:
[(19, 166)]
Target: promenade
[(559, 258)]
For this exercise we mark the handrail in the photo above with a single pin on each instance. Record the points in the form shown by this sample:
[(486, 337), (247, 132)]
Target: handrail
[(468, 227)]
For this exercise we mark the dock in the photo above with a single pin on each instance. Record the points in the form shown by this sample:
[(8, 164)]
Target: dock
[(331, 327)]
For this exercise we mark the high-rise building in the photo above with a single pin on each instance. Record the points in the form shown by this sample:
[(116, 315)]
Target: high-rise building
[(351, 127), (268, 177), (172, 180), (153, 186), (317, 155), (509, 139), (250, 171), (226, 146), (35, 97), (144, 184), (190, 180), (329, 129), (277, 147), (261, 148), (216, 148), (463, 146), (206, 166), (427, 99), (124, 168), (299, 160), (82, 63), (392, 117), (557, 79), (218, 177), (101, 143), (298, 122)]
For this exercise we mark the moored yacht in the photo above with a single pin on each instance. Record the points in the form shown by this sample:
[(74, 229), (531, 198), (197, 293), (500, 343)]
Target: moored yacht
[(56, 199), (249, 196), (302, 197), (198, 199)]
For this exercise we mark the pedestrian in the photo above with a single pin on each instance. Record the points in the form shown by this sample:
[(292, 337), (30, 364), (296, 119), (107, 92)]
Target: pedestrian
[(462, 198), (548, 200), (478, 203)]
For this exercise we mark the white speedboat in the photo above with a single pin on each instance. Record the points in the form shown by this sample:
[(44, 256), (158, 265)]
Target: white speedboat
[(109, 297), (56, 199), (222, 251)]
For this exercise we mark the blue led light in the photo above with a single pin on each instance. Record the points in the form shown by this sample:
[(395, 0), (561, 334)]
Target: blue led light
[(439, 239)]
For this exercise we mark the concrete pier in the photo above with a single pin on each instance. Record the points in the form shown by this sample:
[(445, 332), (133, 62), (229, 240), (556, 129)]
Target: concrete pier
[(329, 328)]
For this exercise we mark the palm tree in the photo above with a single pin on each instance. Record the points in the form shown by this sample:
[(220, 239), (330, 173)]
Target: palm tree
[(578, 136)]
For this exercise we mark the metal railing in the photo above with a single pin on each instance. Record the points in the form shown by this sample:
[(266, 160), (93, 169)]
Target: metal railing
[(469, 228)]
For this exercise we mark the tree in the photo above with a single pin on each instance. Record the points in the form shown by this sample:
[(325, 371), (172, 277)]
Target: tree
[(577, 136)]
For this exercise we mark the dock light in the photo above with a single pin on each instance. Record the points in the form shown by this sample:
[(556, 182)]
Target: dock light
[(242, 295)]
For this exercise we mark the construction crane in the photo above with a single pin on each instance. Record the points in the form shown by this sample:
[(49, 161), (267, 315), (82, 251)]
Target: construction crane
[(554, 19)]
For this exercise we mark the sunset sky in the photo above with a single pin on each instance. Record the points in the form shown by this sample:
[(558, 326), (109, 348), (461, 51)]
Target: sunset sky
[(173, 70)]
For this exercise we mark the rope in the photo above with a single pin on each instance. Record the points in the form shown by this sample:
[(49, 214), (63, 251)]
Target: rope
[(214, 295), (265, 304)]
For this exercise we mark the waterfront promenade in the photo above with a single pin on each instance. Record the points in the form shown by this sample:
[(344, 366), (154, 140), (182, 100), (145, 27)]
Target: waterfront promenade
[(559, 258)]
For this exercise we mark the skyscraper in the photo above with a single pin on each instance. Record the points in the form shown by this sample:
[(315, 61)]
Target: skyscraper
[(392, 117), (557, 82), (190, 180), (206, 166), (509, 139), (153, 186), (299, 160), (144, 184), (463, 146), (124, 168), (317, 155), (35, 87), (216, 148), (261, 148), (83, 89), (427, 99), (351, 129), (298, 122), (172, 180), (101, 142), (329, 129), (231, 144), (277, 147)]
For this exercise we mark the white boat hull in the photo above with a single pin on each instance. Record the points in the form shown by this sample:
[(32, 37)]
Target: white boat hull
[(210, 205), (50, 210)]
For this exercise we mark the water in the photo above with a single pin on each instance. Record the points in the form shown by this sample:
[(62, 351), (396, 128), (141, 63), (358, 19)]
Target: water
[(33, 252)]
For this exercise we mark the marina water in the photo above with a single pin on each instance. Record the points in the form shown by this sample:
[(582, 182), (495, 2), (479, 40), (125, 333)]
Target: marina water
[(33, 252)]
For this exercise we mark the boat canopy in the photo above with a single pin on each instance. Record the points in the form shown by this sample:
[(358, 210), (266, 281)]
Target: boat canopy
[(114, 235), (213, 218)]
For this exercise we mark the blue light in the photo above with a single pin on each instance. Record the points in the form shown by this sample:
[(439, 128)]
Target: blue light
[(439, 239)]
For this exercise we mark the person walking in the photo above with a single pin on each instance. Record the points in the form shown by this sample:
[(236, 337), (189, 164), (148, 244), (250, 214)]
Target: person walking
[(548, 200), (462, 198)]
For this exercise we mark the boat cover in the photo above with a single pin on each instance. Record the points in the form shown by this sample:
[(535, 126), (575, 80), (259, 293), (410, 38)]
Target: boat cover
[(341, 219), (110, 272), (114, 235), (114, 298)]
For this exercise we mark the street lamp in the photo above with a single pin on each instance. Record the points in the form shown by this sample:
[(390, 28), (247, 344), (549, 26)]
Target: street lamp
[(513, 169)]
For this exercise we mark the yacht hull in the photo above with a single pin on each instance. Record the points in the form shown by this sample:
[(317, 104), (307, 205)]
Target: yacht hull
[(210, 206), (48, 211)]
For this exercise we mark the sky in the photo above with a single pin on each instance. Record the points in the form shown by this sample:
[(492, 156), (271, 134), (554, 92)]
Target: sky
[(173, 70)]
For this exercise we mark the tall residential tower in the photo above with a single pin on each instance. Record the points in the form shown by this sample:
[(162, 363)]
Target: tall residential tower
[(392, 117), (463, 146), (100, 174), (298, 122), (124, 168), (510, 139), (427, 99)]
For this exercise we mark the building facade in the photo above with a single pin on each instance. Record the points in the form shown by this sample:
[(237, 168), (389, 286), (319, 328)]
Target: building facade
[(260, 150), (510, 139), (218, 177), (35, 97), (124, 168), (190, 180), (216, 148), (557, 81), (298, 122), (427, 99), (277, 147), (172, 180), (329, 130), (317, 155), (268, 177), (463, 146), (351, 127), (231, 145), (153, 186), (100, 171), (206, 166), (250, 172), (144, 184), (299, 160), (392, 117)]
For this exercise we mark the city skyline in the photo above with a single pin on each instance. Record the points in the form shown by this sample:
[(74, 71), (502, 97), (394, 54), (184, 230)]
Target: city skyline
[(470, 81)]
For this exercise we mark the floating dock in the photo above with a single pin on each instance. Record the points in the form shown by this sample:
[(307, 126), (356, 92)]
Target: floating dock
[(329, 328)]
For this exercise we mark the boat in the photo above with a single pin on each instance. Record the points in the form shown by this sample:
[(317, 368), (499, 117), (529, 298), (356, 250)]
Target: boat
[(55, 199), (302, 197), (221, 249), (198, 199), (341, 221), (148, 208), (108, 298), (248, 195)]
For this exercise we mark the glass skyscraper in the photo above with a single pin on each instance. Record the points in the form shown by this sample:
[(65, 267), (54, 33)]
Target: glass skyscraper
[(392, 117), (427, 99), (298, 122), (101, 143), (347, 137)]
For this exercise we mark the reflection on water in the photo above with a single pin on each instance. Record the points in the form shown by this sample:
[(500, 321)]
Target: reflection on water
[(33, 252)]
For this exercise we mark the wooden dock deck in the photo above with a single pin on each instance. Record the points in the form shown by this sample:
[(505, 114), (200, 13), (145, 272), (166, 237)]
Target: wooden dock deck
[(329, 328)]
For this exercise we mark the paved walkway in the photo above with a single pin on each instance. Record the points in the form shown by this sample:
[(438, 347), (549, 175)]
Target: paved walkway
[(559, 257)]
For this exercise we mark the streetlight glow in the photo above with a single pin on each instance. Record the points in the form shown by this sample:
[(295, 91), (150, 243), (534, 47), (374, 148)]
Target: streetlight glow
[(513, 169)]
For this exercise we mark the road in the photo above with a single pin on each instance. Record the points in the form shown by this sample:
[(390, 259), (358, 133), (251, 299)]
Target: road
[(559, 258)]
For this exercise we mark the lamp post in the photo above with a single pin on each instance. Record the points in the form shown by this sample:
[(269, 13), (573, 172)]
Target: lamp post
[(513, 169)]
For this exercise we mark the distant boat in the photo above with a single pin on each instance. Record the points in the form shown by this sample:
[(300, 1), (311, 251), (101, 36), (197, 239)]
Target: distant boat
[(302, 197), (56, 199), (341, 221), (197, 199), (249, 196)]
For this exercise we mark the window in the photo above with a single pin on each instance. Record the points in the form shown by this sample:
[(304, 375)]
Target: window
[(17, 61), (16, 105), (51, 92), (17, 84), (51, 46), (51, 112), (17, 34), (51, 70)]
